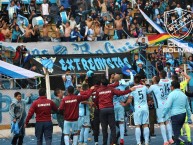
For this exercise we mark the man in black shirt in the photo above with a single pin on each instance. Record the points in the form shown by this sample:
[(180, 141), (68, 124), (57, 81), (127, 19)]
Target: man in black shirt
[(142, 49)]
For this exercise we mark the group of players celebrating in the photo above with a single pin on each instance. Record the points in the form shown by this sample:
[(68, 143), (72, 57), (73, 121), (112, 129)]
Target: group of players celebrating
[(103, 103)]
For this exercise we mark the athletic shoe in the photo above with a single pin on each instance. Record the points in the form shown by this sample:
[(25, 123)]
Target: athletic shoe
[(96, 143), (121, 142), (166, 143), (171, 141), (139, 144)]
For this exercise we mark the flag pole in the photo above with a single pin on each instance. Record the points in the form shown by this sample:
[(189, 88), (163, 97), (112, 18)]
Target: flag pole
[(47, 79)]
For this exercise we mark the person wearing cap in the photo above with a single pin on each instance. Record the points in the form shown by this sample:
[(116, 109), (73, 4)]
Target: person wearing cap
[(140, 69)]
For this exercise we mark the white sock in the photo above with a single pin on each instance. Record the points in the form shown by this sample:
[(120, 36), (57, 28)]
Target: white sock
[(122, 131), (138, 135), (169, 129), (66, 140), (163, 132), (75, 139), (146, 134), (86, 132), (81, 138)]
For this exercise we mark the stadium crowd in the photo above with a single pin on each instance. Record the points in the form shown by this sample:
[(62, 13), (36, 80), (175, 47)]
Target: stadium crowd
[(86, 20)]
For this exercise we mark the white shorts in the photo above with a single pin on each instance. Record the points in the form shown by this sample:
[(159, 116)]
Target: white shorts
[(141, 117)]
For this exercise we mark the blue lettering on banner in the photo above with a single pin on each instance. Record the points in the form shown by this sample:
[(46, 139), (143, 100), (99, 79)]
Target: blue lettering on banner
[(93, 63), (6, 100), (69, 62), (115, 62), (63, 64), (77, 60), (110, 48), (83, 48), (84, 63)]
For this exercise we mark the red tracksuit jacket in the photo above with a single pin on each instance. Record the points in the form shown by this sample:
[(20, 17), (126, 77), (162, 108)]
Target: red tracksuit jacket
[(42, 107)]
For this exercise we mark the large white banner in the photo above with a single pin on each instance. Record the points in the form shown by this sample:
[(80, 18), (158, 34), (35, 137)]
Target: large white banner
[(6, 97), (86, 47)]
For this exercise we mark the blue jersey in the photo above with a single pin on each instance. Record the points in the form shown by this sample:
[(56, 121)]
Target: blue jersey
[(158, 95), (177, 103), (68, 81), (118, 99), (84, 109), (121, 87), (140, 97), (165, 83)]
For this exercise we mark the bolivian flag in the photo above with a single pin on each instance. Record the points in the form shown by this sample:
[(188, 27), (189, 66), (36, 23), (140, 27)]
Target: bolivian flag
[(155, 39)]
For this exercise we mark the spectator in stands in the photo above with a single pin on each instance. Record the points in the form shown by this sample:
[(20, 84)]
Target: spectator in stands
[(45, 9), (65, 4), (142, 48), (190, 63), (134, 31), (36, 35), (13, 24), (107, 29), (75, 35), (148, 11), (45, 36), (156, 11), (67, 32), (28, 34), (119, 26), (12, 8), (98, 31), (103, 7), (159, 21), (179, 10), (6, 32), (15, 34), (72, 23), (31, 7), (89, 22), (159, 66), (90, 34), (54, 13), (134, 65), (82, 4), (140, 69), (57, 34), (126, 25), (31, 16), (162, 7), (2, 37), (169, 70)]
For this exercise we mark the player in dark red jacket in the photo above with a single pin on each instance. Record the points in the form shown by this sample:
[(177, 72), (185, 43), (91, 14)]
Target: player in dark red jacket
[(70, 106), (104, 97), (42, 107)]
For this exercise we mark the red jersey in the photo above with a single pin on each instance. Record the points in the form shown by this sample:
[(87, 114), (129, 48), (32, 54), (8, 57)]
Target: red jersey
[(105, 96), (70, 105), (42, 107)]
